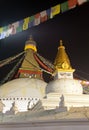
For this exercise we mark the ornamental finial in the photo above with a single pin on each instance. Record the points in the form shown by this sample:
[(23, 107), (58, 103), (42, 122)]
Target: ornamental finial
[(61, 43)]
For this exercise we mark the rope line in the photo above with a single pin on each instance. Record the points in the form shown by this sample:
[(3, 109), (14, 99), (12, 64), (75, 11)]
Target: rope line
[(8, 60), (12, 72)]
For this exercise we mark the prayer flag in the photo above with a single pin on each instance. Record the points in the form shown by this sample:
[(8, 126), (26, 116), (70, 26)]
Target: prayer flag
[(26, 20), (13, 27), (37, 19), (20, 27), (31, 21), (48, 13), (16, 24), (43, 16), (81, 1), (5, 28), (72, 3), (25, 24), (55, 10), (1, 29), (64, 6)]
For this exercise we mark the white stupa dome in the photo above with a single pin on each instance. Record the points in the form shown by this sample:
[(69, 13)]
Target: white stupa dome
[(64, 86), (23, 87)]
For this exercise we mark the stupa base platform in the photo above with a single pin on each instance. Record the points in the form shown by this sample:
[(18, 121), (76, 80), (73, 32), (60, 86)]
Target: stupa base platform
[(56, 100)]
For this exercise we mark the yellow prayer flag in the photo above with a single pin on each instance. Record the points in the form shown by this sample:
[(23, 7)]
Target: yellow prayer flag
[(25, 26), (1, 29), (55, 10), (26, 20)]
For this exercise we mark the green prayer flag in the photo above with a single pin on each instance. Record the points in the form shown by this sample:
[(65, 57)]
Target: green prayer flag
[(5, 28), (64, 7), (31, 21), (20, 26)]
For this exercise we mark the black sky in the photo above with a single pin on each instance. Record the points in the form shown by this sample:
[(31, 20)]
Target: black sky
[(72, 27)]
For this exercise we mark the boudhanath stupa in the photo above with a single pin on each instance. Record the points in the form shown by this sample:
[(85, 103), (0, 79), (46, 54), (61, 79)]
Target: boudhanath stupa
[(29, 98)]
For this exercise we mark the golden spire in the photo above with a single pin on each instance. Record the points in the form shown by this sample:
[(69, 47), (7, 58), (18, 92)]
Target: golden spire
[(30, 44), (61, 43), (62, 61)]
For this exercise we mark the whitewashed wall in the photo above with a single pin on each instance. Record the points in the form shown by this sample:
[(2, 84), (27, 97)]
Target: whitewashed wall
[(52, 125)]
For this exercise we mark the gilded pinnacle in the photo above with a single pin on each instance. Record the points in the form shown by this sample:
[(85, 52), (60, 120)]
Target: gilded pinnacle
[(30, 38), (61, 43)]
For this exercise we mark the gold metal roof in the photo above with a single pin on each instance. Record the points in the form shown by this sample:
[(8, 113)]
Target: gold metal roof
[(62, 61)]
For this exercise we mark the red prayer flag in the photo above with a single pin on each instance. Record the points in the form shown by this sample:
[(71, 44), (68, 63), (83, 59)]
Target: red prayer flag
[(43, 16), (72, 3), (37, 19)]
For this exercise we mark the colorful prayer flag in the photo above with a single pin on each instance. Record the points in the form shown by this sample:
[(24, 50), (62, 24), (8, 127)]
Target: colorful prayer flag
[(43, 16), (20, 27), (55, 10), (5, 28), (37, 19), (81, 1), (48, 11), (8, 32), (12, 28), (1, 29), (64, 6), (26, 20), (31, 21), (16, 24), (2, 35), (72, 3), (25, 24)]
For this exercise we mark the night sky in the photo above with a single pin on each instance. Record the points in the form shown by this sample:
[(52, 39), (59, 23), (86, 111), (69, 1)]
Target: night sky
[(71, 26)]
